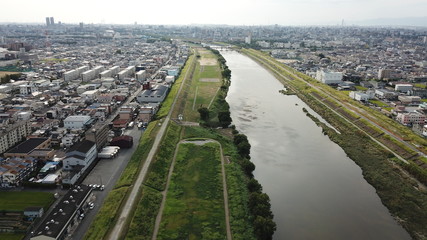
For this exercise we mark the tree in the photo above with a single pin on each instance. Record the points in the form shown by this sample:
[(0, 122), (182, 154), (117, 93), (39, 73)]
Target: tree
[(204, 114), (244, 149), (238, 138), (254, 185), (224, 118), (264, 228), (248, 167)]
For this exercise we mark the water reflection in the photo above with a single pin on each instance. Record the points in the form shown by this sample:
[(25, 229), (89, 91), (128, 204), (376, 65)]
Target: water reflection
[(316, 191)]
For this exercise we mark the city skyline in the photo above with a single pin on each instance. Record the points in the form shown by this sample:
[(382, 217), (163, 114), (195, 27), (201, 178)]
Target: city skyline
[(270, 12)]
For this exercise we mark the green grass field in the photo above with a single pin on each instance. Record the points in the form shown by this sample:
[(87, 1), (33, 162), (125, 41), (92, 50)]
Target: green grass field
[(194, 206), (378, 103), (360, 88), (200, 94), (11, 236), (18, 201)]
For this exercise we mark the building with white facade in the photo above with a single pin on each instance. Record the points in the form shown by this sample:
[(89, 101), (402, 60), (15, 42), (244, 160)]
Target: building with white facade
[(27, 89), (76, 122), (13, 133), (403, 87), (127, 72), (327, 77), (360, 96), (141, 75), (411, 118), (80, 155)]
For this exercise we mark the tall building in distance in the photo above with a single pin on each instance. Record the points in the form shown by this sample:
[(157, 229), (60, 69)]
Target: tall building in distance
[(52, 21), (47, 21)]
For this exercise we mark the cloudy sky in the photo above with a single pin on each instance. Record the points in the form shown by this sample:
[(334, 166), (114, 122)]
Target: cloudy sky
[(232, 12)]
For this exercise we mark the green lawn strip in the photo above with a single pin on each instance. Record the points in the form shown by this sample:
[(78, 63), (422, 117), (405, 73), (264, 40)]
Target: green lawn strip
[(378, 103), (205, 90), (142, 224), (18, 201), (210, 72), (139, 156), (360, 88), (106, 217), (159, 167), (420, 85), (194, 207), (11, 236), (167, 103), (240, 223)]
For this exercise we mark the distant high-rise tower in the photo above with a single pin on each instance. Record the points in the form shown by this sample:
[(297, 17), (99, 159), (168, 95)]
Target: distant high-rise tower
[(47, 21), (52, 21), (81, 25)]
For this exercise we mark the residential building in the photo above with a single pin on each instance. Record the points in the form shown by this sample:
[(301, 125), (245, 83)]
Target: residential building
[(402, 87), (411, 118), (77, 122), (98, 134), (154, 95), (79, 157), (409, 99), (33, 147), (327, 77), (11, 134)]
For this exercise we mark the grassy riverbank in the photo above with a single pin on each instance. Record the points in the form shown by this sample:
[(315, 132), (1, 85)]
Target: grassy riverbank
[(398, 192), (194, 207)]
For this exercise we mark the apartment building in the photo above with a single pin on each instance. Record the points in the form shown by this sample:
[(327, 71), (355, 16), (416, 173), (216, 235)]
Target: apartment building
[(411, 118), (10, 135)]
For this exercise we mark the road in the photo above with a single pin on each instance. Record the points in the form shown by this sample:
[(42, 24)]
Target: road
[(106, 172), (116, 232), (224, 187)]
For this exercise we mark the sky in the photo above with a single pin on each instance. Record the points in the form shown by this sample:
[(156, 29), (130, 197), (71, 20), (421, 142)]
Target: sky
[(231, 12)]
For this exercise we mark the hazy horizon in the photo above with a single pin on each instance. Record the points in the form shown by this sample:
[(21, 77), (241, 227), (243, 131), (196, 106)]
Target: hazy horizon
[(238, 12)]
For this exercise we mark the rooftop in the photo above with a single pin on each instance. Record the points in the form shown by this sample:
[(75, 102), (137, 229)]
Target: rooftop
[(58, 219), (82, 147), (28, 145)]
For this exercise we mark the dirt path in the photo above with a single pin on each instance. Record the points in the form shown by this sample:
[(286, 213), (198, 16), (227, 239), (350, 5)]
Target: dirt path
[(224, 187)]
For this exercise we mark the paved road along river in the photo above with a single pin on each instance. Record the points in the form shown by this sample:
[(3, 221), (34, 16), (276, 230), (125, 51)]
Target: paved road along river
[(316, 191)]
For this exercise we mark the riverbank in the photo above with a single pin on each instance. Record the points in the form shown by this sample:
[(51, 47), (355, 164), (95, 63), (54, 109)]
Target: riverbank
[(397, 192)]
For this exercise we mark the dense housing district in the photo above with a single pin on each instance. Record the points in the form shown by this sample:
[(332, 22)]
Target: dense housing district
[(70, 98)]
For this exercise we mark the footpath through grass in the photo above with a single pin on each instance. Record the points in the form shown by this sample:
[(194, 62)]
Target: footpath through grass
[(194, 206)]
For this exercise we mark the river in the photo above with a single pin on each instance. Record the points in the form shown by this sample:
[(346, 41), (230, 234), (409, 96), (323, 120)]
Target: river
[(316, 191)]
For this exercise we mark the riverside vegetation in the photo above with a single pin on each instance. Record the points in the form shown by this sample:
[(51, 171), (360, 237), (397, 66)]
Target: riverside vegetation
[(398, 192)]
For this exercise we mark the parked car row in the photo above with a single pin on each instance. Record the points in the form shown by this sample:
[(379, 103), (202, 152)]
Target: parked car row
[(97, 187), (109, 152)]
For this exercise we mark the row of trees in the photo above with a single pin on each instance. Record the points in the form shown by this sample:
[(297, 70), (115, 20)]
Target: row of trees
[(259, 202), (7, 78)]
